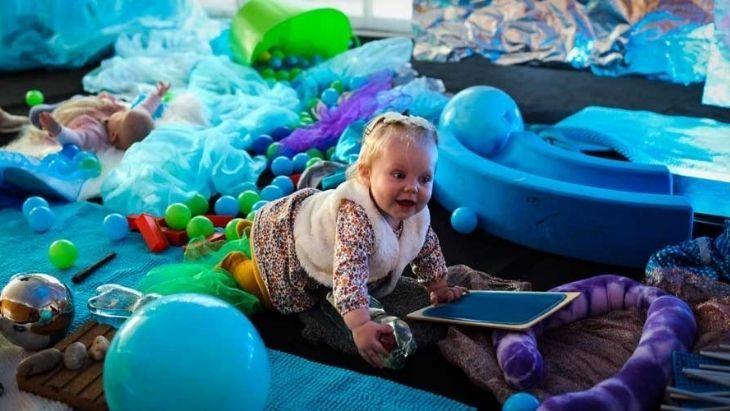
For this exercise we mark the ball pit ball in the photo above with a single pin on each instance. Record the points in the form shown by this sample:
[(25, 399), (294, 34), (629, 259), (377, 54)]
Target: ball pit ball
[(464, 220), (34, 98), (226, 205), (521, 401), (198, 204), (199, 226), (115, 226), (40, 219), (62, 253), (231, 232), (177, 216), (246, 200), (33, 202)]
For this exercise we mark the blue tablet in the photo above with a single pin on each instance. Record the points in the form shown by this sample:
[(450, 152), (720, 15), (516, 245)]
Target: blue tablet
[(512, 310)]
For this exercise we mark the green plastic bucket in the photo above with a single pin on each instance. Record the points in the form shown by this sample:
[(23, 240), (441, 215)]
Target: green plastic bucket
[(260, 25)]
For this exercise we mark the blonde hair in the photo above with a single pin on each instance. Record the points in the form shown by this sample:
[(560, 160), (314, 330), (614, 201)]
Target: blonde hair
[(410, 129), (70, 109)]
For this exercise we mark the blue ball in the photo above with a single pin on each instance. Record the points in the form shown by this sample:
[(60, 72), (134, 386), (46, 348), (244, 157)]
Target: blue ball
[(482, 118), (357, 81), (521, 401), (226, 205), (300, 162), (115, 226), (70, 150), (261, 143), (259, 204), (271, 193), (187, 352), (284, 183), (464, 220), (33, 202), (275, 63), (282, 166), (40, 219), (329, 96), (279, 133)]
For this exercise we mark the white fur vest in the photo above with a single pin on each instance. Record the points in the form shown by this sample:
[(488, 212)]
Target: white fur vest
[(314, 235)]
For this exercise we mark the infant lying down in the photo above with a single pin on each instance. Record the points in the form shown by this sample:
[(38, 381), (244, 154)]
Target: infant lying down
[(91, 132)]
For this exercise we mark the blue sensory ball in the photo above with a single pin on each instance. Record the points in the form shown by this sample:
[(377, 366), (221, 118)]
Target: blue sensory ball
[(33, 202), (284, 183), (258, 205), (357, 81), (300, 162), (521, 401), (187, 352), (115, 226), (282, 166), (279, 133), (271, 193), (70, 150), (261, 143), (329, 96), (464, 220), (482, 118), (226, 205), (40, 219)]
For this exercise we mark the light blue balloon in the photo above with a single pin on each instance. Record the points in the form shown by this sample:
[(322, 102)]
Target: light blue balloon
[(521, 401), (115, 226), (33, 202), (187, 352), (464, 220), (226, 205), (40, 219)]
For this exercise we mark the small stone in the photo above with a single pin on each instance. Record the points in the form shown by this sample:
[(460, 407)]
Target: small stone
[(99, 348), (40, 362), (74, 356)]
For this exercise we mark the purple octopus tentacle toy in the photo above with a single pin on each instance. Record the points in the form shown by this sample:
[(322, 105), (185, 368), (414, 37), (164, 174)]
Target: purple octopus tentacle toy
[(670, 325)]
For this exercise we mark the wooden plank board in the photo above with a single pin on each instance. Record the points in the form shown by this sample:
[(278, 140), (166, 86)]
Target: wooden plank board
[(82, 389)]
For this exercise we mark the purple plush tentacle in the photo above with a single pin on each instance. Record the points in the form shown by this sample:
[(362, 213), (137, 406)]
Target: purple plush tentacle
[(639, 385), (522, 363)]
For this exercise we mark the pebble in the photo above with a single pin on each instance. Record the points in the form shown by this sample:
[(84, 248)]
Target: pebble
[(99, 348), (40, 362), (74, 356)]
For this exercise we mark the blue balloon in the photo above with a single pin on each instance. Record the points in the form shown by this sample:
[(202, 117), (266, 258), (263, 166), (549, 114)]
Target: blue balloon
[(284, 183), (115, 226), (464, 220), (521, 401), (482, 118), (271, 193), (187, 352), (282, 165), (40, 219), (226, 205), (33, 202)]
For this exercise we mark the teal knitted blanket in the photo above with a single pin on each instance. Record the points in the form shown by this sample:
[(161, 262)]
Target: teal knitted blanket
[(296, 384)]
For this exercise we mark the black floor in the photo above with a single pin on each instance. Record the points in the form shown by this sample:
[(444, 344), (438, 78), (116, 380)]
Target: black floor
[(544, 95)]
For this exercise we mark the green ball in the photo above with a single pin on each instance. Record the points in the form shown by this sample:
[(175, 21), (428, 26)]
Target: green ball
[(312, 161), (199, 226), (168, 96), (177, 216), (90, 163), (264, 56), (337, 85), (282, 75), (273, 150), (250, 216), (315, 152), (277, 53), (62, 253), (330, 152), (34, 97), (231, 232), (198, 204), (312, 103), (268, 72), (246, 200)]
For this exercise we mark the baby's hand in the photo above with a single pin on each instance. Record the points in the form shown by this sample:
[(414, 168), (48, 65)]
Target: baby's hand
[(49, 123), (162, 88), (447, 294), (366, 338)]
